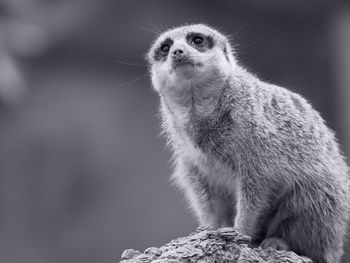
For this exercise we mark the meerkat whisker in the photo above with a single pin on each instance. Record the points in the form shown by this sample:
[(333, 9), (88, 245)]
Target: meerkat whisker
[(130, 63), (122, 86)]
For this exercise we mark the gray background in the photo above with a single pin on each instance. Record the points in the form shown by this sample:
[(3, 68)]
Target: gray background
[(84, 173)]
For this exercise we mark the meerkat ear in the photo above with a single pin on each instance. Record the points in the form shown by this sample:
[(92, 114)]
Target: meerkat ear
[(228, 51)]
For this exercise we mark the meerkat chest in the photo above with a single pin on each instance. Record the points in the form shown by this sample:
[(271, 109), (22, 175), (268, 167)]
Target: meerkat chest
[(213, 171)]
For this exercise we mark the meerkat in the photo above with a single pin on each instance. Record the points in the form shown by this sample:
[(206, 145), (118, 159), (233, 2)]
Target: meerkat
[(249, 154)]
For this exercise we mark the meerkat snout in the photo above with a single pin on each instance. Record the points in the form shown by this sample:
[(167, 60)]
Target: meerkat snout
[(178, 52), (180, 57)]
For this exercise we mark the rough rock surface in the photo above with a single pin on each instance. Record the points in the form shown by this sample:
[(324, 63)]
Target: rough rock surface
[(211, 245)]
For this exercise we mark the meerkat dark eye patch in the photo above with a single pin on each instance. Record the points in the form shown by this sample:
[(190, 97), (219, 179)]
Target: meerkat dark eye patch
[(162, 51), (200, 41)]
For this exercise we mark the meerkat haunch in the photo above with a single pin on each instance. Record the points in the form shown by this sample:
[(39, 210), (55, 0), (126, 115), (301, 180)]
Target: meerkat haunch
[(247, 153)]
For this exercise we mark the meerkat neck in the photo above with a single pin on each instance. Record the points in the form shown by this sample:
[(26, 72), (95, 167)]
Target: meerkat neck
[(200, 100)]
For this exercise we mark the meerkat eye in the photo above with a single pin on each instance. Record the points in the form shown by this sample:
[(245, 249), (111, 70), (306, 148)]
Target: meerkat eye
[(197, 40), (165, 48), (161, 53)]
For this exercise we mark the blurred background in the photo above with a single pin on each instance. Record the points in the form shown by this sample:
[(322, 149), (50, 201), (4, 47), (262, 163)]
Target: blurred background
[(84, 173)]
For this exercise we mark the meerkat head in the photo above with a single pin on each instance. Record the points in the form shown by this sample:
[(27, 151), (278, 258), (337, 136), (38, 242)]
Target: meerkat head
[(190, 56)]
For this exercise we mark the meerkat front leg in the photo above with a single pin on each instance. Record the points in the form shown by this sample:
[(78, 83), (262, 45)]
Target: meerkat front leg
[(200, 202), (276, 243), (212, 211), (212, 208), (250, 214), (247, 217)]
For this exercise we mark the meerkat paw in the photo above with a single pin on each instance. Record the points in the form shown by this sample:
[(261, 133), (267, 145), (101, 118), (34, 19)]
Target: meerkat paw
[(276, 243)]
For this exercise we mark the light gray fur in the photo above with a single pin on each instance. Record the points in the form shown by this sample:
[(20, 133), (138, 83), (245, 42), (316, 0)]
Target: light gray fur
[(254, 155)]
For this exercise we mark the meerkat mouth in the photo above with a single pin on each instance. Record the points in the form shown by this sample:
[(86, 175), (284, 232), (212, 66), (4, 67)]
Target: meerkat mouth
[(182, 63), (185, 62)]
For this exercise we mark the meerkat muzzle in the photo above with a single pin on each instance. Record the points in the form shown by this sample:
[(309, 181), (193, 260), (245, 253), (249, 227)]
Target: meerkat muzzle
[(181, 57), (183, 61)]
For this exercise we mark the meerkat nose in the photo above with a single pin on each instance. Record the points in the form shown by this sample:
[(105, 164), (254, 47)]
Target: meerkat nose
[(180, 56), (178, 52)]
